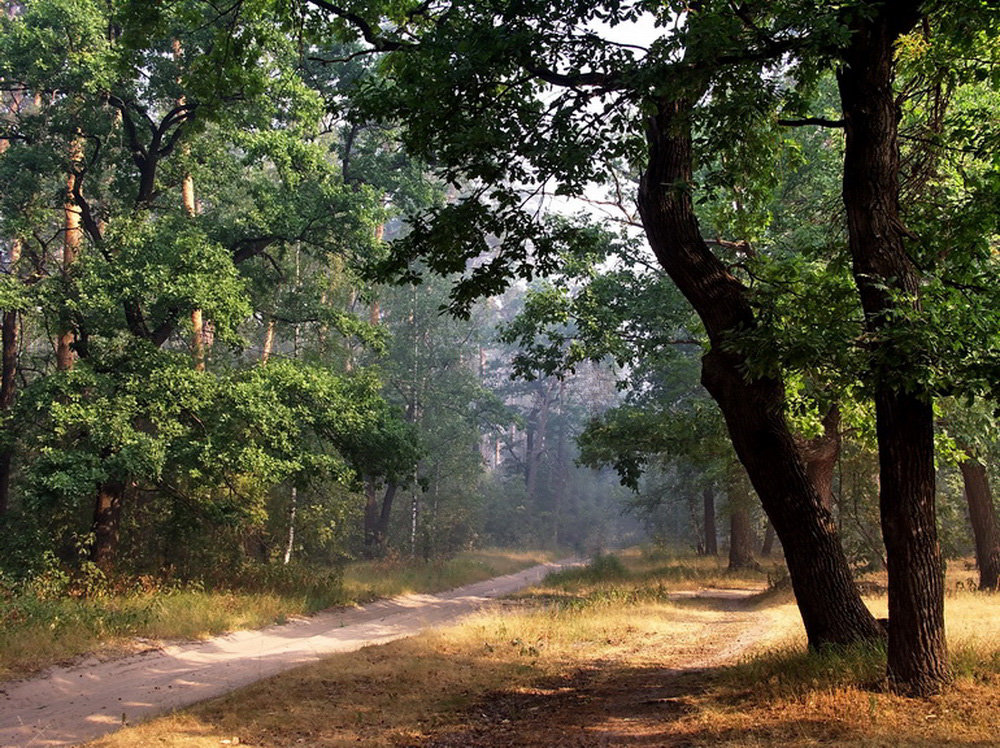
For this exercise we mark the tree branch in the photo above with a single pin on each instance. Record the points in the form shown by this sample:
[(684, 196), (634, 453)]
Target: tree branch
[(369, 33), (806, 121)]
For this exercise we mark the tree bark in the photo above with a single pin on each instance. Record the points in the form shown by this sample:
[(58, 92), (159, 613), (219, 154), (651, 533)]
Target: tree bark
[(8, 381), (377, 516), (7, 389), (741, 538), (268, 347), (711, 534), (768, 547), (741, 535), (983, 517), (197, 318), (884, 272), (293, 507), (71, 249), (371, 517), (107, 513), (198, 339), (831, 608), (384, 515), (820, 455)]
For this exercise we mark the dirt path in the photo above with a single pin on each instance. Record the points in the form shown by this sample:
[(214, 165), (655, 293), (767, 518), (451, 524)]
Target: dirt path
[(66, 706)]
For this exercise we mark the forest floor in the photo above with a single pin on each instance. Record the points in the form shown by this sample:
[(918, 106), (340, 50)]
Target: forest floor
[(655, 653)]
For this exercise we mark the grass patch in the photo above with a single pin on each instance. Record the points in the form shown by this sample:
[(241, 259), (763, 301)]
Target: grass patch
[(35, 633), (368, 580), (588, 657), (38, 631)]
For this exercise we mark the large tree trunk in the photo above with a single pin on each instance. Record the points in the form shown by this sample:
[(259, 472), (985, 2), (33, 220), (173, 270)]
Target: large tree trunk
[(711, 534), (884, 272), (831, 608), (983, 517)]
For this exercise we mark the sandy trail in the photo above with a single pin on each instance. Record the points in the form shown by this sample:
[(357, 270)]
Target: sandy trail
[(70, 705)]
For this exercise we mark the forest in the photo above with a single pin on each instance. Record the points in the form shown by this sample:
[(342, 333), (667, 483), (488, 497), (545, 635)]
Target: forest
[(298, 289)]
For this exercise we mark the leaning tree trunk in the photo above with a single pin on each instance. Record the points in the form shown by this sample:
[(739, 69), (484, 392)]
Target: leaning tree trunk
[(983, 517), (753, 408), (889, 283)]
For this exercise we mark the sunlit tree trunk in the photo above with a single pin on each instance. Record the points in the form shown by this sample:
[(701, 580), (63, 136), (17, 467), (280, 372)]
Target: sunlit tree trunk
[(71, 249), (191, 210), (268, 347), (293, 508)]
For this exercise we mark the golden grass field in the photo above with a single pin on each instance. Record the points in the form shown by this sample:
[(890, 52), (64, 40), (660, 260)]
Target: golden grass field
[(608, 656)]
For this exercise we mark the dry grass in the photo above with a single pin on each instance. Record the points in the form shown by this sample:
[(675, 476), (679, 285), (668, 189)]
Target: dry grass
[(606, 660), (36, 633), (368, 580)]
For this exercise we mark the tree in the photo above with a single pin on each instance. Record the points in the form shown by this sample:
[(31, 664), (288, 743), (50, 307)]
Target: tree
[(221, 102)]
